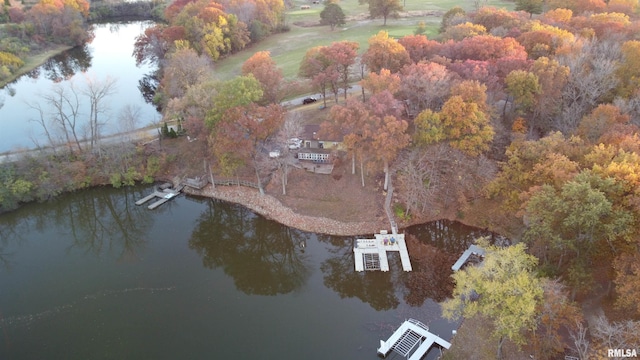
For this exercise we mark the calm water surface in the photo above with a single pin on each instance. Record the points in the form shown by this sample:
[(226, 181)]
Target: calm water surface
[(108, 55), (93, 276)]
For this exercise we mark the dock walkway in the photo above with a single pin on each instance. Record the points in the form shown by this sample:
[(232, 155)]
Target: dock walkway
[(371, 254), (472, 250), (412, 340), (164, 194)]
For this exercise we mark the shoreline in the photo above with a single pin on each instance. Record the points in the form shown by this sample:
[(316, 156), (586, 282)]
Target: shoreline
[(34, 61), (272, 209)]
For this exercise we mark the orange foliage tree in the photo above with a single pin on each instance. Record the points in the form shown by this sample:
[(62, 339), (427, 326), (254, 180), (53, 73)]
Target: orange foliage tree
[(264, 69), (385, 53), (419, 47)]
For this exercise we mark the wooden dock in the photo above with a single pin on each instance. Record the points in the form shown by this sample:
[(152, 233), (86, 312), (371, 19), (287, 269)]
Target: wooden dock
[(472, 250), (412, 340), (163, 194), (371, 254)]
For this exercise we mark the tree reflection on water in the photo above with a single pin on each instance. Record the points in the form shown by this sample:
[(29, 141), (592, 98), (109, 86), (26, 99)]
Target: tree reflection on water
[(106, 221), (262, 256), (372, 287), (97, 221), (65, 65)]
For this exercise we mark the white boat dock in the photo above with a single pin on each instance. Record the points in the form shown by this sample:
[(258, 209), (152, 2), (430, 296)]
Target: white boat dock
[(371, 254), (412, 340), (472, 250)]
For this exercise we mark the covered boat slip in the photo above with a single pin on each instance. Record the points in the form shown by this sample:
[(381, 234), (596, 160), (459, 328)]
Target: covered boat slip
[(412, 340), (371, 254)]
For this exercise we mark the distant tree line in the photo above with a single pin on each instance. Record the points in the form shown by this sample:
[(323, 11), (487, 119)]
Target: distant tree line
[(101, 10)]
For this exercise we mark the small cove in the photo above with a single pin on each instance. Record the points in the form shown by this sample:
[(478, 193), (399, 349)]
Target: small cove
[(109, 54), (92, 276)]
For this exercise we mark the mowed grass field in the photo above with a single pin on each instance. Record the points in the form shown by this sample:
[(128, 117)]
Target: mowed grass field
[(288, 49)]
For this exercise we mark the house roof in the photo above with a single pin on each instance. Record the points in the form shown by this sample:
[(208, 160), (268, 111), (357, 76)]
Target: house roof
[(311, 132)]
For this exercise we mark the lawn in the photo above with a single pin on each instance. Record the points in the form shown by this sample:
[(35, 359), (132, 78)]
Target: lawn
[(34, 61), (288, 49)]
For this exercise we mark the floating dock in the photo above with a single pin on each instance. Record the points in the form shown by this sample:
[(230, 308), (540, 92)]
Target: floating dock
[(371, 254), (163, 194), (412, 340), (472, 250)]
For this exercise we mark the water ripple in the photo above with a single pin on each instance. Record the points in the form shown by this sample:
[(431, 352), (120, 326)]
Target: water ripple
[(27, 320)]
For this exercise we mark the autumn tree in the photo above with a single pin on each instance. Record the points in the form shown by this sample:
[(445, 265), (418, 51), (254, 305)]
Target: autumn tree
[(464, 30), (184, 68), (383, 8), (419, 47), (628, 7), (332, 15), (628, 70), (60, 21), (376, 83), (424, 86), (627, 280), (497, 18), (372, 129), (463, 122), (554, 315), (557, 16), (578, 6), (594, 125), (353, 121), (541, 39), (193, 106), (389, 138), (484, 47), (317, 67), (530, 6), (552, 78), (523, 88), (592, 67), (241, 134), (455, 15), (329, 67), (505, 290), (238, 92), (264, 69), (551, 160), (152, 45), (342, 56), (385, 53), (291, 128), (568, 227)]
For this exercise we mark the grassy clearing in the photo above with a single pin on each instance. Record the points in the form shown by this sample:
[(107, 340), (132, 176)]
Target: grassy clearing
[(34, 61), (288, 49)]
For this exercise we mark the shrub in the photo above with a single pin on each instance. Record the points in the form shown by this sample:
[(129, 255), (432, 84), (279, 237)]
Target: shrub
[(116, 180)]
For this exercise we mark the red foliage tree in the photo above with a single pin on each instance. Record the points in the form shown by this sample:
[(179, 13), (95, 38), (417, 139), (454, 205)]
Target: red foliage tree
[(419, 47), (484, 47)]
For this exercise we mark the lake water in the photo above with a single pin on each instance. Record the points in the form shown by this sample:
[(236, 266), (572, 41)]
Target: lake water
[(93, 276), (108, 55)]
